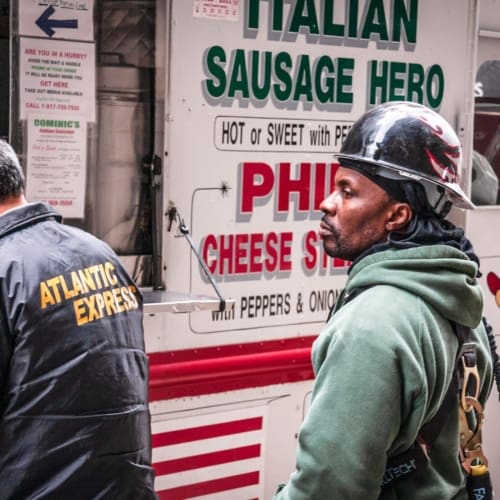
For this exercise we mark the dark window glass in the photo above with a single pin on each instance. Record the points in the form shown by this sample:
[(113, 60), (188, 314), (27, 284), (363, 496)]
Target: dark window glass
[(486, 156)]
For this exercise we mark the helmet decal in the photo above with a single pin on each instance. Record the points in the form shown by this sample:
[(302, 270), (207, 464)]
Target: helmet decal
[(446, 170), (428, 118), (447, 173)]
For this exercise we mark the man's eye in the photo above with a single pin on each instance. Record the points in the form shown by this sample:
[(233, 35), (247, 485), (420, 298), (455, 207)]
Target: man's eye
[(347, 193)]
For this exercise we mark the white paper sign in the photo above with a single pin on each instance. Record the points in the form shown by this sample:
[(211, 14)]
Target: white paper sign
[(56, 163), (67, 19), (57, 76), (218, 9)]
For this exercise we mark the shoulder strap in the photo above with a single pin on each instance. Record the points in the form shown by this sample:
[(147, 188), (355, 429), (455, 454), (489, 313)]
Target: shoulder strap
[(418, 455), (416, 458), (345, 297)]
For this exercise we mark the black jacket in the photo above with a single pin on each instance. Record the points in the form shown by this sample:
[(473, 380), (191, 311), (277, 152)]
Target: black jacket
[(74, 418)]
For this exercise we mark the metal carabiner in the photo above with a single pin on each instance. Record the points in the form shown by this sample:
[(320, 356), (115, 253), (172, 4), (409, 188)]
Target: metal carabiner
[(470, 376), (471, 438)]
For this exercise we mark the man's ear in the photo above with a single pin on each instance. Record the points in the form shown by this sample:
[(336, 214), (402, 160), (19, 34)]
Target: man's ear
[(400, 215)]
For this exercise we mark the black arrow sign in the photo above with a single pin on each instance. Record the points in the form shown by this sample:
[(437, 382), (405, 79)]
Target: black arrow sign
[(47, 25)]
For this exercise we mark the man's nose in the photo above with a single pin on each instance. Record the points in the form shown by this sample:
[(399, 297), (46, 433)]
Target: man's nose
[(328, 205)]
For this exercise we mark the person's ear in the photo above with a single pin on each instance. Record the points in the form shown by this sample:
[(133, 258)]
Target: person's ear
[(400, 215)]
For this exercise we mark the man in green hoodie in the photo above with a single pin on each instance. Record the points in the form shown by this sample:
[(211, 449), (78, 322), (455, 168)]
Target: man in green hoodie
[(386, 357)]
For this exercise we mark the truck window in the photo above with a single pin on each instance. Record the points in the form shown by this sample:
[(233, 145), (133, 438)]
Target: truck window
[(96, 85), (120, 177), (486, 144)]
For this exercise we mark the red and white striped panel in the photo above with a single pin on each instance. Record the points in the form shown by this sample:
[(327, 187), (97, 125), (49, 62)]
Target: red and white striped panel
[(216, 456)]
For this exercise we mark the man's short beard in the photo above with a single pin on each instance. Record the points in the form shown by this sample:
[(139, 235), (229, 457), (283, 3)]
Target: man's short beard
[(341, 248), (337, 250)]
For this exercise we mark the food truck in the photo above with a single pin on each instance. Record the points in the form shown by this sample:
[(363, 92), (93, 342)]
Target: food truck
[(197, 138)]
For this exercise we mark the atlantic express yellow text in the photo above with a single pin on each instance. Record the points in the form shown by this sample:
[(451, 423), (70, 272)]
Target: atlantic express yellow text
[(95, 291)]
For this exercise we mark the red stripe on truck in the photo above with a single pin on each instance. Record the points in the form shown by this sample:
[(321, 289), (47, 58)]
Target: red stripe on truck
[(209, 370), (210, 487), (207, 459), (206, 432)]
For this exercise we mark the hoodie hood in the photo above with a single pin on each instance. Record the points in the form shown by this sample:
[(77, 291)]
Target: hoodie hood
[(442, 276)]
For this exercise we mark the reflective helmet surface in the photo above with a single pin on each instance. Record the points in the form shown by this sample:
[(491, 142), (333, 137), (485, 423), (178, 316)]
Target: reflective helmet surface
[(408, 141)]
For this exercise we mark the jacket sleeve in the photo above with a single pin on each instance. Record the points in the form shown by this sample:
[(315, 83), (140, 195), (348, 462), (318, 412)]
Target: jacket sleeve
[(358, 406), (5, 355)]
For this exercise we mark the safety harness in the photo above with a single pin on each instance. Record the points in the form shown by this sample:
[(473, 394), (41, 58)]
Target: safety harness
[(463, 392)]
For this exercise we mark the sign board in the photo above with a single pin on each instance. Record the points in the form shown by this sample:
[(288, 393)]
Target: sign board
[(57, 76), (257, 109), (57, 19), (56, 162), (223, 9), (57, 99)]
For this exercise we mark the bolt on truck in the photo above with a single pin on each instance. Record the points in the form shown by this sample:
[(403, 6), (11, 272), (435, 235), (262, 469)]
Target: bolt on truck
[(197, 137)]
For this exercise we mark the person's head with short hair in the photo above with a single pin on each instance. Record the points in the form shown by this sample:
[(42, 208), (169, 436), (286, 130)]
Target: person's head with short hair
[(11, 178), (399, 174)]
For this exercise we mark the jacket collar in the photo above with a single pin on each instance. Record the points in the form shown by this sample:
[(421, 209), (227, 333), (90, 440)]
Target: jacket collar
[(26, 215)]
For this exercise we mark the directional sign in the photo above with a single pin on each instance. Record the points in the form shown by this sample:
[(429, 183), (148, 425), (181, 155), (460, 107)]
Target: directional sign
[(57, 19), (47, 23)]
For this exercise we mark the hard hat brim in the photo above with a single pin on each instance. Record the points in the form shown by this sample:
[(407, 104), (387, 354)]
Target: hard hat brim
[(396, 172)]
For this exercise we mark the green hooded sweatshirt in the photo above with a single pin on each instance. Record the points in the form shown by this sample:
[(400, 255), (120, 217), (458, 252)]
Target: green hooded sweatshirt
[(383, 365)]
